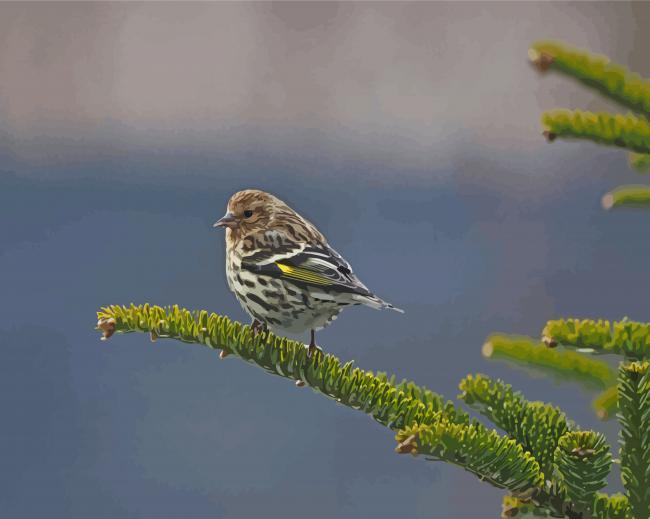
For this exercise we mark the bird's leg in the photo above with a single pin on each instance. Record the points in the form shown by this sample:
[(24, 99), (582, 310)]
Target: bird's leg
[(258, 327), (312, 345)]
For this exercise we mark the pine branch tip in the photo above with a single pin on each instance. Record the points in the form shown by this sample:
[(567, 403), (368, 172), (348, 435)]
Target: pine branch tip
[(107, 326), (549, 342), (487, 350), (408, 446), (542, 61), (607, 201), (549, 135)]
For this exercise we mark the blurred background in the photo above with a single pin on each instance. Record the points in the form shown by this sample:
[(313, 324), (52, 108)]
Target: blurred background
[(409, 132)]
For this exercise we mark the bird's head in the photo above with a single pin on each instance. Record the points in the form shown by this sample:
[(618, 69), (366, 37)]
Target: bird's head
[(248, 212)]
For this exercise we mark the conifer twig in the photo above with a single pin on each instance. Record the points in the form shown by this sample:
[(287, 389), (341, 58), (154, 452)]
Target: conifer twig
[(626, 131), (610, 79), (634, 418), (627, 196), (565, 364), (536, 426), (625, 337)]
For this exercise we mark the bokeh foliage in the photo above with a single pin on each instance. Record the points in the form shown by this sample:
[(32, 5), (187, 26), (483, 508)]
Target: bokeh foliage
[(630, 131)]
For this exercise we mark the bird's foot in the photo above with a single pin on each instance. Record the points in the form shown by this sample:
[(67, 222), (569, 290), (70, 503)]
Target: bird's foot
[(312, 348)]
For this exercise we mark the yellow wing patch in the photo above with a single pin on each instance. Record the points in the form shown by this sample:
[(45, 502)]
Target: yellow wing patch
[(302, 274)]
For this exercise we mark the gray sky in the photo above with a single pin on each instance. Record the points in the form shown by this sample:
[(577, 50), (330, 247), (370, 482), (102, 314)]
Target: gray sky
[(405, 83)]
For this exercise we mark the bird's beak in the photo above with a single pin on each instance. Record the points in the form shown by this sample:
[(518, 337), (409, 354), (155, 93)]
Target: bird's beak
[(228, 220)]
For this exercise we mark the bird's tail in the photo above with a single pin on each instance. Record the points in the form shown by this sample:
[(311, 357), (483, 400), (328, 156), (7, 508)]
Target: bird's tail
[(375, 302)]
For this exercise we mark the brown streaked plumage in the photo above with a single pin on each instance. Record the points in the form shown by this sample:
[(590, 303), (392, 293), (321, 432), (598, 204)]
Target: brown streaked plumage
[(283, 271)]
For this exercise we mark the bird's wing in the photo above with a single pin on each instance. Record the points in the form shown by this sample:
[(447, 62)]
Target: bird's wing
[(308, 264)]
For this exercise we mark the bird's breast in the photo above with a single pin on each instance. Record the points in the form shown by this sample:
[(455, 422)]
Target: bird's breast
[(233, 265)]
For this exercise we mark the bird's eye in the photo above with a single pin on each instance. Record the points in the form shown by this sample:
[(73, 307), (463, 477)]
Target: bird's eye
[(248, 213)]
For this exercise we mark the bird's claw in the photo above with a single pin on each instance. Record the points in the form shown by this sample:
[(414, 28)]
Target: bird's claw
[(311, 351)]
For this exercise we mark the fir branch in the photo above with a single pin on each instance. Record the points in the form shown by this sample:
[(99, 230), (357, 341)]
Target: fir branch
[(612, 80), (536, 426), (610, 507), (640, 161), (564, 364), (603, 507), (627, 196), (445, 431), (582, 462), (627, 131), (428, 425), (393, 405), (496, 459), (629, 338), (634, 436)]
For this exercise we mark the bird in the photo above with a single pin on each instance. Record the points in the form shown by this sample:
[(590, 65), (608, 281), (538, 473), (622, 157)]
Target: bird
[(283, 271)]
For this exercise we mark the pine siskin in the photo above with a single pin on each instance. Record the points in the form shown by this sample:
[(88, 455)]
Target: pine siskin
[(282, 270)]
